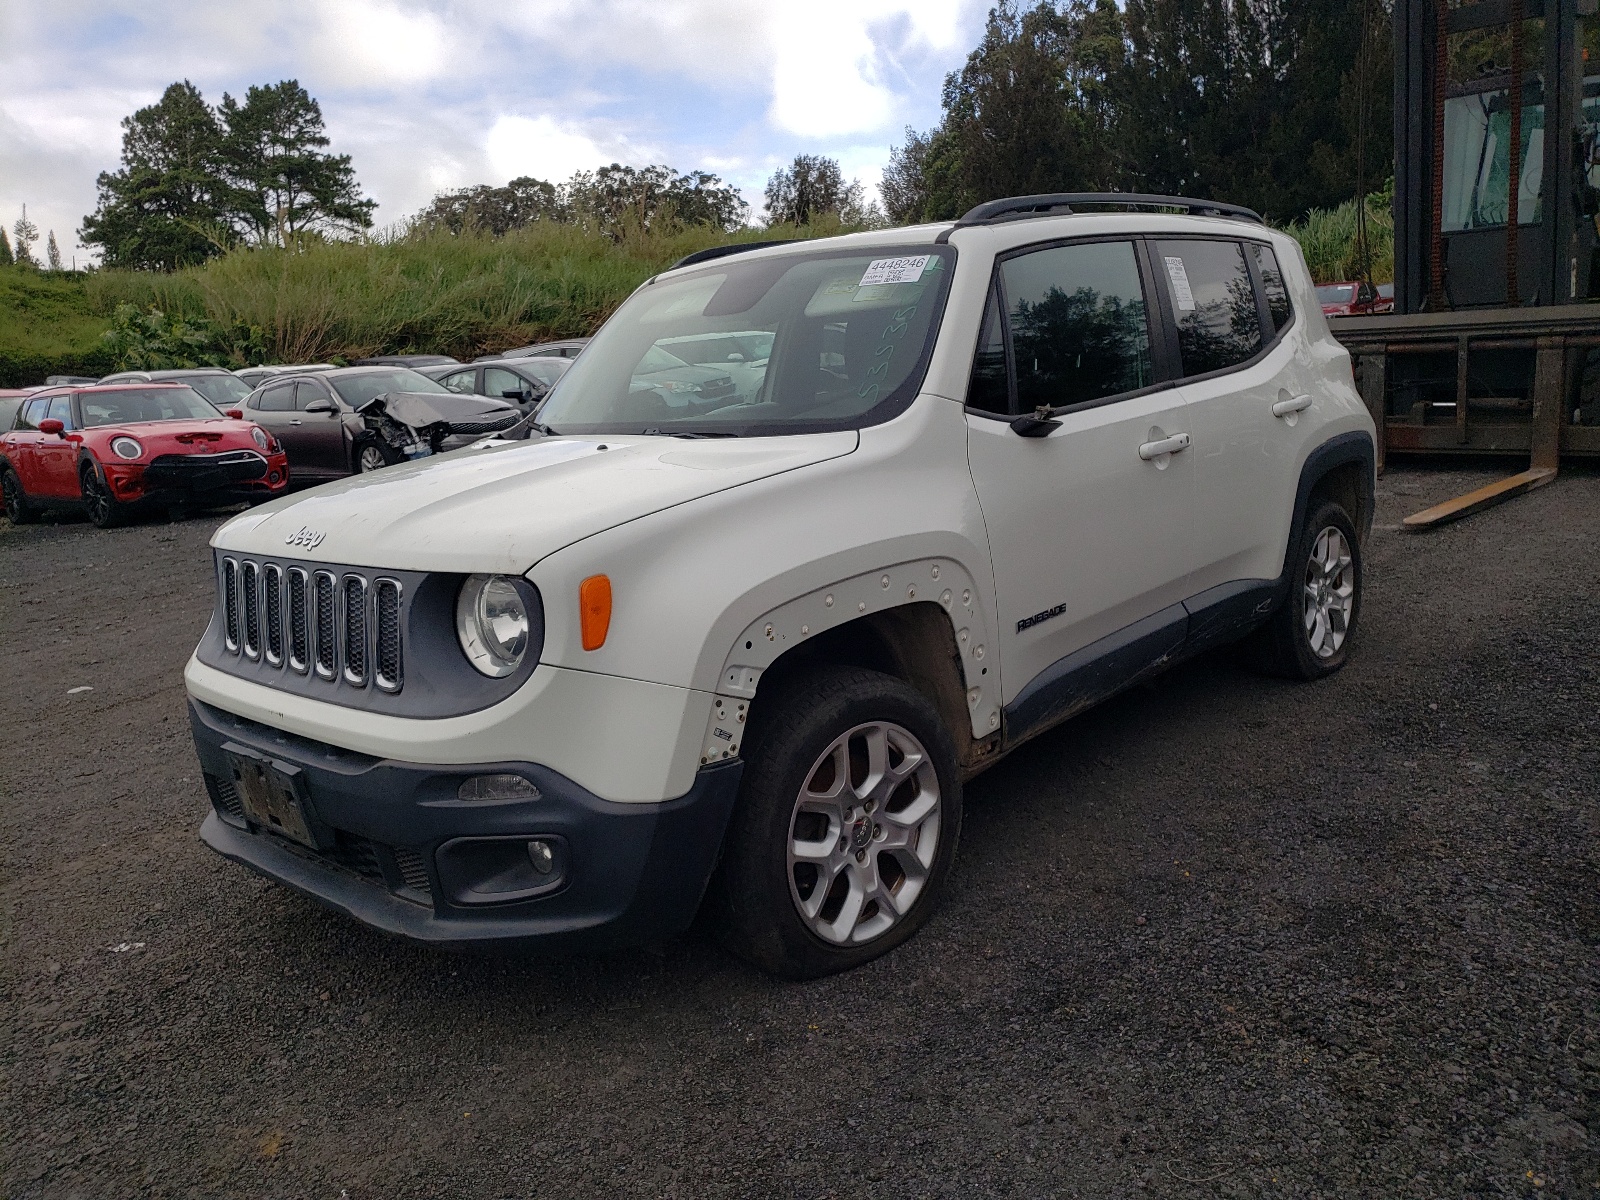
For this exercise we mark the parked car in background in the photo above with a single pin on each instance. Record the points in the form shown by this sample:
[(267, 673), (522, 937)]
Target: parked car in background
[(316, 417), (69, 381), (743, 355), (563, 349), (1385, 298), (254, 375), (223, 388), (523, 381), (680, 384), (404, 360), (111, 449), (1349, 299)]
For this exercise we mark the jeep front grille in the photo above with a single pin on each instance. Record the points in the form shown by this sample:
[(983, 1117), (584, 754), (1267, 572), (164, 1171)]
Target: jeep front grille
[(250, 587), (345, 630), (327, 626), (272, 613)]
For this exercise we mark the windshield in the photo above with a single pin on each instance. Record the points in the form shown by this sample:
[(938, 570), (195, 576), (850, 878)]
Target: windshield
[(845, 339), (225, 391), (546, 370), (125, 406), (356, 390), (1336, 293)]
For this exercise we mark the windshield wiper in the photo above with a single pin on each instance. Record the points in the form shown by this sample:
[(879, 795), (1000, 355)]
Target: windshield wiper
[(700, 433)]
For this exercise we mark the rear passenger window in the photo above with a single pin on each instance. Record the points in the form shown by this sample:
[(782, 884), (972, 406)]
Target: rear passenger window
[(1213, 304), (1272, 283), (277, 399), (1077, 322)]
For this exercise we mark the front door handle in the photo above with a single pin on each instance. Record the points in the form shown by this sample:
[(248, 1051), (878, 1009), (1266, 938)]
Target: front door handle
[(1167, 445), (296, 421), (1293, 405)]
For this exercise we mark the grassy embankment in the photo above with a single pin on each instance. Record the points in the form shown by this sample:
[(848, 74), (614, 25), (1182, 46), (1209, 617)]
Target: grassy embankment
[(464, 296)]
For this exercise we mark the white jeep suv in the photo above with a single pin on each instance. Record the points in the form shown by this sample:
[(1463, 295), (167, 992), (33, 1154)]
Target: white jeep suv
[(670, 650)]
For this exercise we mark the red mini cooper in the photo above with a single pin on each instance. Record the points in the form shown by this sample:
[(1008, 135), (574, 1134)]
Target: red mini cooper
[(112, 449)]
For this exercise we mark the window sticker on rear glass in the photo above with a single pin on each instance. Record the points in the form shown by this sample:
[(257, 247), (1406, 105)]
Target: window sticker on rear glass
[(1181, 295), (894, 270)]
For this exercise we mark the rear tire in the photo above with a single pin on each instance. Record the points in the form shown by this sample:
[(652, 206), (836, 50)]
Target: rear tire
[(103, 508), (19, 509), (846, 826), (1309, 636)]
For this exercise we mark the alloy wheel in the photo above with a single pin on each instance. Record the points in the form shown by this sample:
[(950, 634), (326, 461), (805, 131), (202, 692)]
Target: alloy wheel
[(864, 833), (96, 498), (1329, 592), (371, 459)]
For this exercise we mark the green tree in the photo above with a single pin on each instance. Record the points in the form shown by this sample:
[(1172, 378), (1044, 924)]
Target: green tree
[(26, 234), (813, 186), (494, 210), (615, 196), (282, 185), (52, 252), (165, 207), (5, 249)]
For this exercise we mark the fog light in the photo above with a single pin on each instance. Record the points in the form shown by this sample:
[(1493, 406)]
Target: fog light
[(496, 787), (542, 856)]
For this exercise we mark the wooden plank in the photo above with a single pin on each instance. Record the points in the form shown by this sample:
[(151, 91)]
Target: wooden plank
[(1478, 500), (1549, 379)]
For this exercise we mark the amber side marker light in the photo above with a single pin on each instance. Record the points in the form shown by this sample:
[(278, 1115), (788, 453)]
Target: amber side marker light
[(594, 610)]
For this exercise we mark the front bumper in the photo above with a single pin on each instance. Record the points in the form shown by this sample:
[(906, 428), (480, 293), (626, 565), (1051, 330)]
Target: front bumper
[(628, 874), (201, 478)]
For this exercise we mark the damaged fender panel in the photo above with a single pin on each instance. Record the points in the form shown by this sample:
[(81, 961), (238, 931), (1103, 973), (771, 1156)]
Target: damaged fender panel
[(942, 581)]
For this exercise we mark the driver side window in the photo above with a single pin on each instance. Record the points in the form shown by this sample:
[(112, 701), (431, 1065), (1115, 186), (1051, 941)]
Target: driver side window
[(461, 382)]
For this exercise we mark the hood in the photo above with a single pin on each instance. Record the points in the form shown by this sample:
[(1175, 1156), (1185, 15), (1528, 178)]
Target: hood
[(502, 507), (195, 436), (420, 409)]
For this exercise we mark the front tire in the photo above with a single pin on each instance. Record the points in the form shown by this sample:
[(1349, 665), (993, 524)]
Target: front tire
[(1309, 636), (846, 826), (103, 508), (372, 454), (19, 509)]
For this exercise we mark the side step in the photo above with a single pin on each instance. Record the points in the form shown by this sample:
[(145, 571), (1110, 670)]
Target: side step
[(1478, 500)]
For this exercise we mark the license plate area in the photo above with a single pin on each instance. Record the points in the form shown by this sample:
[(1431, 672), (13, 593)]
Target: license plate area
[(273, 794)]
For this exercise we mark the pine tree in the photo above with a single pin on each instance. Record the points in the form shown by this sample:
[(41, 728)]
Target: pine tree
[(166, 206), (52, 252), (26, 234), (281, 183), (5, 249)]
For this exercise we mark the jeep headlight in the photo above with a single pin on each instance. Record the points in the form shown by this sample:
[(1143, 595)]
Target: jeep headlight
[(492, 624)]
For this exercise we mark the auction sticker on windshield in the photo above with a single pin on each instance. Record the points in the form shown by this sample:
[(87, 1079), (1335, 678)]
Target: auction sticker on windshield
[(894, 270)]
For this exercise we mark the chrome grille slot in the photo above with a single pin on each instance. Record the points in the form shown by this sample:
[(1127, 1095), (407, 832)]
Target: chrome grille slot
[(327, 650), (388, 658), (250, 589), (299, 620), (272, 613), (230, 604), (353, 618)]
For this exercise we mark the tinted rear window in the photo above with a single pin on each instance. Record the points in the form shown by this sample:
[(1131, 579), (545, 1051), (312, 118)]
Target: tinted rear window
[(1213, 304), (1272, 283)]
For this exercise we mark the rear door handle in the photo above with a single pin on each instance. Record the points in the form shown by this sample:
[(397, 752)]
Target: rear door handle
[(1297, 404), (298, 421), (1167, 445)]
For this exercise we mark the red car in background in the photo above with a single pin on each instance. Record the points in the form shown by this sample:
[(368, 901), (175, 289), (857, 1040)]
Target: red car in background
[(1353, 299), (113, 449)]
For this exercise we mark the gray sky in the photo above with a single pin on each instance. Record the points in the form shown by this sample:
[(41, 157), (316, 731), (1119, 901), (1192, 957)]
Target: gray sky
[(433, 95)]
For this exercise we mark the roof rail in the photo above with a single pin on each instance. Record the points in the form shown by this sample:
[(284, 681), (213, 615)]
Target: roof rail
[(1019, 207), (700, 256)]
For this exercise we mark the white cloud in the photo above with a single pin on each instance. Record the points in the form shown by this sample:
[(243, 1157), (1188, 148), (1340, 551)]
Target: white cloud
[(539, 147), (378, 43)]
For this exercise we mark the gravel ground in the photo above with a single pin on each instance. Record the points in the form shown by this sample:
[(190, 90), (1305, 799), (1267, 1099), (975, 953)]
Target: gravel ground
[(1221, 937)]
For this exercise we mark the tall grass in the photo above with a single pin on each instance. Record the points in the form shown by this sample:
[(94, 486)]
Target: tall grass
[(462, 294), (1329, 238)]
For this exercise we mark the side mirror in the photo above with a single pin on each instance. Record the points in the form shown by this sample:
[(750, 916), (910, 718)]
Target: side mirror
[(52, 426), (321, 406), (236, 413)]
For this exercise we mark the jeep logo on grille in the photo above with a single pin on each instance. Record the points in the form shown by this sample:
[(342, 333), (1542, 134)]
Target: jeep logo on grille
[(309, 538)]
